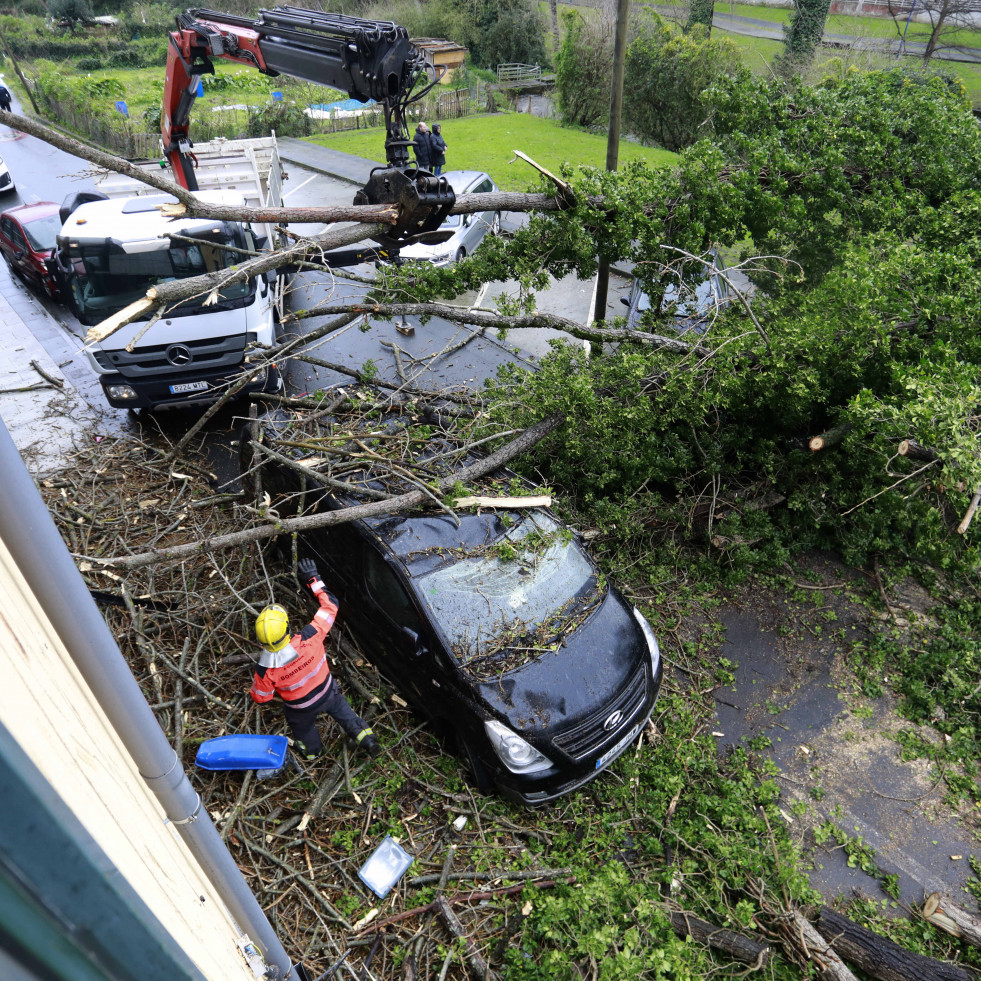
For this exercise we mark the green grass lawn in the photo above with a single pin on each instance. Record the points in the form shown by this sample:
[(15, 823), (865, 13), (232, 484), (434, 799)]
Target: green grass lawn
[(486, 143)]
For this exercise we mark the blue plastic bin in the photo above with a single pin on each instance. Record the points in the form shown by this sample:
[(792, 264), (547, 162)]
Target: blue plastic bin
[(244, 752)]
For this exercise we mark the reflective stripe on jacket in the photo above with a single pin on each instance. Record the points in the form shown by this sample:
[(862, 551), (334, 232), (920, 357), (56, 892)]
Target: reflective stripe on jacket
[(305, 678)]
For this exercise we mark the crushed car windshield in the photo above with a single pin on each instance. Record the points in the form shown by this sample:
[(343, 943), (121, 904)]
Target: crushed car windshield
[(527, 586), (108, 279)]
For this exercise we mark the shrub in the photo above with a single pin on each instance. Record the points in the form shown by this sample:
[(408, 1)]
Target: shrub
[(668, 71), (583, 71)]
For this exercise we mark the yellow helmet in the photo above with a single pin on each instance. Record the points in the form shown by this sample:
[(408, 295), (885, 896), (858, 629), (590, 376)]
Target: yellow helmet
[(272, 627)]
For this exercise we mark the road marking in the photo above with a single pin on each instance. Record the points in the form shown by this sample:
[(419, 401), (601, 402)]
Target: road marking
[(293, 190), (480, 296)]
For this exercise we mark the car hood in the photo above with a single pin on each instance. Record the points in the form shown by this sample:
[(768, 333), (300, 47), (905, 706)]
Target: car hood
[(576, 680), (430, 252)]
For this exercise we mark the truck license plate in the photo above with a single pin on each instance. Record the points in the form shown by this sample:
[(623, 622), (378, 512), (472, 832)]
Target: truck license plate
[(189, 387), (619, 748)]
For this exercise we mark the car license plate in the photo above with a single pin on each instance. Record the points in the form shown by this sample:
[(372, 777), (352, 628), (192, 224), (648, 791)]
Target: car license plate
[(619, 748), (188, 387)]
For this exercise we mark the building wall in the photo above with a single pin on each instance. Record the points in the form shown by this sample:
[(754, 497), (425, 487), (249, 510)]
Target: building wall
[(50, 711)]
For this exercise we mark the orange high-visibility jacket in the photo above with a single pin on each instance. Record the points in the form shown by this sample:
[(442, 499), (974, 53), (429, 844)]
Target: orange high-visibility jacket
[(305, 677)]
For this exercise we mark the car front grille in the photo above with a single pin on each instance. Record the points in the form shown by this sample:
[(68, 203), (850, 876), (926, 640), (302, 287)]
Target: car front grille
[(589, 736), (208, 354)]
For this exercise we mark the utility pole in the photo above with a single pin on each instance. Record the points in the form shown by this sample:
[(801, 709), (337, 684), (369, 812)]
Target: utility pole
[(613, 140)]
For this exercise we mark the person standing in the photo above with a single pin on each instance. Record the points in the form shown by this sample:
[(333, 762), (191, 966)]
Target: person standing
[(296, 669), (424, 147), (438, 145)]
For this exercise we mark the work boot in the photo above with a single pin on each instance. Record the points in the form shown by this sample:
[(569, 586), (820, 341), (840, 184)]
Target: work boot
[(303, 753), (366, 740)]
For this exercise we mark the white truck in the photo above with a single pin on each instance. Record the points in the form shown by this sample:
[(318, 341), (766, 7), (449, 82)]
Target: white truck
[(112, 250)]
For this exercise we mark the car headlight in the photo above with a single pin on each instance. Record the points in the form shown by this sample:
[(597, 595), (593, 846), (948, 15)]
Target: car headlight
[(518, 755), (652, 644), (120, 392)]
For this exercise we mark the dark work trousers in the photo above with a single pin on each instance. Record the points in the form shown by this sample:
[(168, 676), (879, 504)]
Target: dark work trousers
[(303, 722)]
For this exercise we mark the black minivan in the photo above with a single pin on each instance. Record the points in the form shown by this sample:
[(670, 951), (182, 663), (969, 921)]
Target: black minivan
[(498, 627)]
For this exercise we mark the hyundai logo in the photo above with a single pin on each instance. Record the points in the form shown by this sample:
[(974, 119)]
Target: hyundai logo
[(612, 721), (178, 355)]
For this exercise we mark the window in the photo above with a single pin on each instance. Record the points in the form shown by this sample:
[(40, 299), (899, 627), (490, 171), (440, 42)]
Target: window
[(17, 236), (388, 592)]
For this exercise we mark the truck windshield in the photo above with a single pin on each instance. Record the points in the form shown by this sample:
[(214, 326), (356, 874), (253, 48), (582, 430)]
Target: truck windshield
[(106, 278)]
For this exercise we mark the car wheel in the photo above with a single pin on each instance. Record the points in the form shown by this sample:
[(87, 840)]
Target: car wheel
[(460, 254), (495, 228), (477, 772)]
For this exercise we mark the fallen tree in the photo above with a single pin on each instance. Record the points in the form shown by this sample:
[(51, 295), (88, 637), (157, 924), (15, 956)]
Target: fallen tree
[(948, 916), (881, 958)]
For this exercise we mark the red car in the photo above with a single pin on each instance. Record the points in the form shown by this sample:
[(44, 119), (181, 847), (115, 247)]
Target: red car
[(27, 241)]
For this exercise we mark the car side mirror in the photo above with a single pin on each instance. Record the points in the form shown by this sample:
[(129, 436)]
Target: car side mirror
[(625, 300), (468, 220)]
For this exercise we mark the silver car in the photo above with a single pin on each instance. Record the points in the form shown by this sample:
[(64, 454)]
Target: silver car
[(468, 230)]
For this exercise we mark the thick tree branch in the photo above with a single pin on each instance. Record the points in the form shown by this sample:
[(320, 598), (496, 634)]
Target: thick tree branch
[(178, 290), (487, 318), (195, 208), (404, 502)]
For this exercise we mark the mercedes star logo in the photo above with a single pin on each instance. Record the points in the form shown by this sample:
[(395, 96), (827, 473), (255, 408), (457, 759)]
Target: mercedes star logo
[(612, 721), (178, 355)]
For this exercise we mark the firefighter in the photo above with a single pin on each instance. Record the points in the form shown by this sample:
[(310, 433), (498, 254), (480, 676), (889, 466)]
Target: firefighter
[(296, 667)]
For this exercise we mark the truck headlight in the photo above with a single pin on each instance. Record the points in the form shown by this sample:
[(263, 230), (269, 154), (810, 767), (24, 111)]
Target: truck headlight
[(518, 755), (652, 644), (120, 392)]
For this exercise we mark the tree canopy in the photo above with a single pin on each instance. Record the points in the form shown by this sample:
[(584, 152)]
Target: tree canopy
[(864, 192)]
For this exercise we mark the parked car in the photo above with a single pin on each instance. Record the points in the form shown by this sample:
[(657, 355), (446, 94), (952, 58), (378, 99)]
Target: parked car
[(499, 628), (27, 241), (690, 305), (468, 231), (6, 181)]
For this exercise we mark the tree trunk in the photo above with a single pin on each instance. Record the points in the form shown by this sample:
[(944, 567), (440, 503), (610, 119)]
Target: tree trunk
[(804, 34), (553, 6), (881, 958), (931, 44), (700, 12), (956, 921), (20, 74), (736, 945)]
